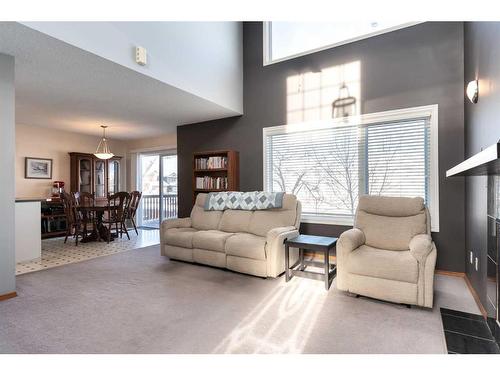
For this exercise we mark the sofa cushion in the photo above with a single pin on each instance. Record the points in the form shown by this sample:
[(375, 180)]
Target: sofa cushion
[(262, 222), (246, 245), (176, 252), (235, 221), (201, 219), (182, 237), (384, 264), (391, 233), (212, 258), (210, 240), (246, 265)]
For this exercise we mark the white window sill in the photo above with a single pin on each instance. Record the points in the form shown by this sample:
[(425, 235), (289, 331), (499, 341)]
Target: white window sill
[(330, 220)]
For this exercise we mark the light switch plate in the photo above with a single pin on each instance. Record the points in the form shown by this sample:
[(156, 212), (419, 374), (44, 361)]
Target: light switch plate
[(141, 56)]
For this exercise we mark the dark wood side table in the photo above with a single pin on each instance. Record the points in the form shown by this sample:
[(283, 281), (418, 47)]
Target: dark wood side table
[(315, 244)]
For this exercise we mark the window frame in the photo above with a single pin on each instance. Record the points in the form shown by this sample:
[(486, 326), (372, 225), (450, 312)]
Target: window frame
[(430, 111), (267, 42)]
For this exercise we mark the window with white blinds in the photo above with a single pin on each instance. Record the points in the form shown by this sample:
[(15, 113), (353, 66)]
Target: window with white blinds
[(328, 165)]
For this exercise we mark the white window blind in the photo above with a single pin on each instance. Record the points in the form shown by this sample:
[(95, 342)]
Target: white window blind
[(329, 166), (398, 158)]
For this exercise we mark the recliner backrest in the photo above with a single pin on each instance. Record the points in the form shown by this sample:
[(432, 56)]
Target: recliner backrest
[(391, 222)]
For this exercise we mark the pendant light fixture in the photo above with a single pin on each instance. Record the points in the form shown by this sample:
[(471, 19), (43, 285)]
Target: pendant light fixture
[(103, 151)]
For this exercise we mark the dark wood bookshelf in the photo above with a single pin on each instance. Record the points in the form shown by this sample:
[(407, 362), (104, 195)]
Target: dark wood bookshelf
[(231, 171)]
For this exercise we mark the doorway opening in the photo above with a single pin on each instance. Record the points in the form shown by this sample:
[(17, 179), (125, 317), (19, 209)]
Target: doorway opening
[(158, 183)]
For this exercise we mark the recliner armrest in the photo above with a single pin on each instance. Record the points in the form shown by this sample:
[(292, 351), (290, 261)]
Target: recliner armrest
[(350, 240), (420, 247), (176, 223)]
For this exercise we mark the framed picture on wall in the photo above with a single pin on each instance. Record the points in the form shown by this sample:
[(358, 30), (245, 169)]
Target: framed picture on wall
[(38, 168)]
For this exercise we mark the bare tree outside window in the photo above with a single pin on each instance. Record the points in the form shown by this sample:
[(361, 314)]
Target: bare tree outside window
[(328, 168), (294, 180), (341, 172)]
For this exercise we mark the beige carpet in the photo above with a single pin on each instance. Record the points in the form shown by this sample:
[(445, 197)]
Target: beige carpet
[(140, 302)]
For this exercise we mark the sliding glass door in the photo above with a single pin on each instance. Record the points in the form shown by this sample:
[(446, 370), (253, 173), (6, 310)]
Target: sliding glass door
[(168, 186), (158, 183)]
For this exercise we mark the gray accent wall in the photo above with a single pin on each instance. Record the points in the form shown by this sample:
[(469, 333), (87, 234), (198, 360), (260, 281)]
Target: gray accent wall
[(419, 65), (482, 129), (7, 178)]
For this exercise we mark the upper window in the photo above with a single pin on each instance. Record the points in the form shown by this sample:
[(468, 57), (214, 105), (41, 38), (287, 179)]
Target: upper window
[(285, 40), (329, 164)]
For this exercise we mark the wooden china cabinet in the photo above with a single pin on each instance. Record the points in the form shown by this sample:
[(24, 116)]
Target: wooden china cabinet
[(93, 175)]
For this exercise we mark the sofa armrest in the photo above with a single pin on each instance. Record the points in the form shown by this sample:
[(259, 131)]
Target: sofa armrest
[(275, 233), (275, 249), (172, 223), (184, 222), (420, 247)]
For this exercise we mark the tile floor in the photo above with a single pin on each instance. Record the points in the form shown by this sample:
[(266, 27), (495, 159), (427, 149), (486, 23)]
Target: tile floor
[(467, 333), (57, 253)]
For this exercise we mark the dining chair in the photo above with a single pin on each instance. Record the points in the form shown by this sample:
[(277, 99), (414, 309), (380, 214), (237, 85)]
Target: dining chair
[(74, 224), (135, 199), (87, 199), (87, 217), (117, 213)]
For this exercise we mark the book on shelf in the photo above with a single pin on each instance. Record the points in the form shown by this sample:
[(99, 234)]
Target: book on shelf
[(207, 182), (212, 162)]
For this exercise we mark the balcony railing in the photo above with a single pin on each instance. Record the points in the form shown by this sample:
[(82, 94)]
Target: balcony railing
[(151, 208)]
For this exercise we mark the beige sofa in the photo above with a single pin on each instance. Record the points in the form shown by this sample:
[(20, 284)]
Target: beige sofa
[(244, 241), (389, 254)]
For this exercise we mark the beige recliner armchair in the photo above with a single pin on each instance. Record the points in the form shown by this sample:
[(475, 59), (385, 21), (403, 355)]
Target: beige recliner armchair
[(389, 254)]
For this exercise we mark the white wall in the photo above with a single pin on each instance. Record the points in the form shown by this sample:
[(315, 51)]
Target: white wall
[(203, 58), (7, 181)]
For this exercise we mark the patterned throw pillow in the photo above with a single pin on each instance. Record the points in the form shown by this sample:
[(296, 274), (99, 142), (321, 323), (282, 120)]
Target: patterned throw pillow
[(249, 201)]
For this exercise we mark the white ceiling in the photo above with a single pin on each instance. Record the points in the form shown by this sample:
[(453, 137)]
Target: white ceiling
[(63, 87)]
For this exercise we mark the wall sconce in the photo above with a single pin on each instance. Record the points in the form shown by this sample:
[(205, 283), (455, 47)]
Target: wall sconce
[(473, 91)]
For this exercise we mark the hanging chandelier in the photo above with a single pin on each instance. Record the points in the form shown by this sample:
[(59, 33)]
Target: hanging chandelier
[(103, 151), (345, 104)]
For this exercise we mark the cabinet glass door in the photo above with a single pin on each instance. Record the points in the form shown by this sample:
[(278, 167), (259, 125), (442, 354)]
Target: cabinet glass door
[(99, 179), (113, 176), (85, 170)]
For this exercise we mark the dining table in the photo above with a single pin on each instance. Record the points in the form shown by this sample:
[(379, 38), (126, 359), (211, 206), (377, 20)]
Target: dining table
[(97, 210)]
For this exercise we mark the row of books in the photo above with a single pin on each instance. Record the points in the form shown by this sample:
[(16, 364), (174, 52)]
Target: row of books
[(212, 162), (208, 182)]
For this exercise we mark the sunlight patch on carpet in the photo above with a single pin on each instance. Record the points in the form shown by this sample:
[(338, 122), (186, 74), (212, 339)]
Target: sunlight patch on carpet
[(281, 323)]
